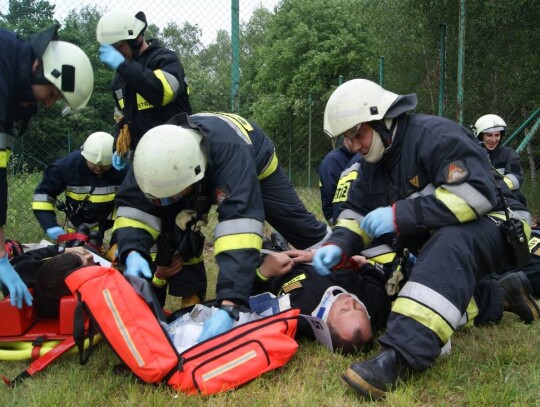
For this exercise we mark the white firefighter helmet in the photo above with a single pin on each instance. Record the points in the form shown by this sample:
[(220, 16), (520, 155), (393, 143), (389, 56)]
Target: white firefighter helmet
[(98, 148), (167, 160), (68, 68), (489, 123), (118, 25), (359, 101)]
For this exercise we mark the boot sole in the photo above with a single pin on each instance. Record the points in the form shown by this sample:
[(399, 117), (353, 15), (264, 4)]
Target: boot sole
[(361, 386)]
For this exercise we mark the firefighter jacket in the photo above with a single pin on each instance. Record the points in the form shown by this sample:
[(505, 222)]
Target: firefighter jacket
[(16, 61), (506, 162), (150, 90), (306, 288), (329, 171), (346, 178), (89, 198), (433, 175), (239, 156)]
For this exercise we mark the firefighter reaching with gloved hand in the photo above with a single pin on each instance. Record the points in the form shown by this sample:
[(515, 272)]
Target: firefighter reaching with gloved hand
[(424, 179), (89, 182), (180, 170), (150, 85), (39, 71)]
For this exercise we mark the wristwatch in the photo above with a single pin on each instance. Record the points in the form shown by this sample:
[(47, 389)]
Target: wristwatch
[(232, 310)]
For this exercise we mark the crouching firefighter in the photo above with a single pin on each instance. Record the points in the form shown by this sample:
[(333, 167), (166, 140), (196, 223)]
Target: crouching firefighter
[(89, 183), (182, 168), (424, 179)]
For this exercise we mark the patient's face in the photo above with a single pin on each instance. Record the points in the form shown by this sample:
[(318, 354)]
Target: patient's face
[(347, 316), (85, 255)]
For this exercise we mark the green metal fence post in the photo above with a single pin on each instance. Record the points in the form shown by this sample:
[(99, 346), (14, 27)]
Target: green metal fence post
[(310, 114), (461, 60), (442, 68), (235, 51)]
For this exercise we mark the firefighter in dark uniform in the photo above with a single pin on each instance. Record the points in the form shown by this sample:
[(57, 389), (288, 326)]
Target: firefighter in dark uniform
[(490, 130), (184, 167), (150, 85), (329, 171), (89, 182), (40, 71), (343, 185), (424, 179)]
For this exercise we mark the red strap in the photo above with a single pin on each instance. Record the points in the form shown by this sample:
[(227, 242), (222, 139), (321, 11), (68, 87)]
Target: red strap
[(36, 347), (67, 237)]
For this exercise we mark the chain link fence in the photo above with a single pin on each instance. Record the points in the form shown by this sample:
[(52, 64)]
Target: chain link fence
[(199, 31)]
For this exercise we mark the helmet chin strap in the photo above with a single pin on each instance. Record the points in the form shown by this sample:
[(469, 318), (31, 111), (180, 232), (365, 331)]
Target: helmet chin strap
[(382, 140), (135, 46), (386, 134)]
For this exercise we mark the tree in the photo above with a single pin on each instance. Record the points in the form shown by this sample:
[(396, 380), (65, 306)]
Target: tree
[(28, 16)]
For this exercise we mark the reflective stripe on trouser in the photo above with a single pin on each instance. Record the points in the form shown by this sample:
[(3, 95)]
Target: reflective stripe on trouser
[(448, 266), (286, 213)]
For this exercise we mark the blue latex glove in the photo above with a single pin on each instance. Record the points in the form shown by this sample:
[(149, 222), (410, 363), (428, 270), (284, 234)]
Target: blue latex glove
[(17, 289), (378, 222), (411, 259), (137, 266), (110, 56), (54, 232), (218, 323), (325, 258), (119, 162)]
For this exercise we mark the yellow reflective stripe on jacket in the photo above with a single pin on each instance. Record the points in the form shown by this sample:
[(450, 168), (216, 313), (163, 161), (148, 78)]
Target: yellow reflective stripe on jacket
[(269, 168), (343, 185), (91, 198), (236, 234), (429, 308), (383, 259), (4, 158), (170, 86), (509, 183), (354, 227), (43, 202), (122, 222), (42, 206), (461, 209), (141, 216), (238, 242), (6, 145), (476, 200), (194, 260)]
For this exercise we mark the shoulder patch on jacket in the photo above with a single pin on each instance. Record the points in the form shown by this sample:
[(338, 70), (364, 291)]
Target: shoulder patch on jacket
[(222, 193), (455, 172)]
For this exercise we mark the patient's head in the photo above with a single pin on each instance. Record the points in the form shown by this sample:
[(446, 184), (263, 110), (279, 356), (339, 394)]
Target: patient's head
[(50, 285), (349, 324), (347, 319)]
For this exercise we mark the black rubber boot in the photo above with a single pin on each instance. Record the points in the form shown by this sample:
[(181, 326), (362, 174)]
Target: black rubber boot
[(517, 296), (374, 377)]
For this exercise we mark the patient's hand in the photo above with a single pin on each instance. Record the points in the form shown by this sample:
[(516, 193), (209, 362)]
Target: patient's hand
[(276, 264), (300, 256)]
